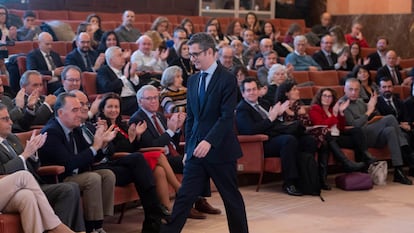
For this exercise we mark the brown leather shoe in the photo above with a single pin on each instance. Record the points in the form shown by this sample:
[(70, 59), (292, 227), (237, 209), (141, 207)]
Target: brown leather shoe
[(195, 214), (204, 207)]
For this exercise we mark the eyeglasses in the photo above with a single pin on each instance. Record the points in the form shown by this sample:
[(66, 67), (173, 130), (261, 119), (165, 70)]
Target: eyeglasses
[(72, 80), (5, 119), (87, 104), (151, 98), (327, 96), (196, 55)]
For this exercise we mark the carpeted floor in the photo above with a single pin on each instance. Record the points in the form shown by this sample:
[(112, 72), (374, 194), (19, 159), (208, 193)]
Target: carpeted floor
[(384, 209)]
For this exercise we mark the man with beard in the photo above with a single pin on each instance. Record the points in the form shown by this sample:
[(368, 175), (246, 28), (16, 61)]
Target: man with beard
[(377, 59), (126, 31)]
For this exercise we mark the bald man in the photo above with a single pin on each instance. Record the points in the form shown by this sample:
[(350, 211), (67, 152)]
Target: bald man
[(83, 56), (126, 32), (46, 61), (392, 70)]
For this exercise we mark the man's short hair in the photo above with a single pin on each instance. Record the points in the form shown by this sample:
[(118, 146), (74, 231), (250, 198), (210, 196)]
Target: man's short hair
[(205, 41), (248, 80), (24, 80), (140, 93), (2, 106), (29, 13), (61, 101), (267, 53), (110, 52), (384, 79), (299, 39), (66, 70)]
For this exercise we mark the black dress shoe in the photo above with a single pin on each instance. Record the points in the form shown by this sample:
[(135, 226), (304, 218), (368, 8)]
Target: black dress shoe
[(401, 178), (291, 190)]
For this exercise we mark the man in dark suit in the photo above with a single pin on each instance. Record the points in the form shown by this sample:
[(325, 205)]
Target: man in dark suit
[(129, 169), (83, 56), (377, 59), (41, 107), (66, 146), (168, 138), (392, 70), (71, 79), (239, 58), (327, 59), (212, 148), (252, 119), (46, 61), (179, 35), (63, 197), (117, 77)]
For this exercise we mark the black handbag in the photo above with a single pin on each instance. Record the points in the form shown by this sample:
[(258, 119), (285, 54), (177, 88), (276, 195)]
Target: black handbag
[(295, 128)]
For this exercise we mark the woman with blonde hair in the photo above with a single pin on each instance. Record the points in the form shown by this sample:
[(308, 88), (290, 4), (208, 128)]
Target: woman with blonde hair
[(161, 25)]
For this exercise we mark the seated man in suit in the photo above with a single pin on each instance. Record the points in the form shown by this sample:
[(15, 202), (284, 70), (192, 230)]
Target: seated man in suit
[(83, 56), (265, 45), (162, 133), (392, 70), (46, 61), (299, 59), (71, 79), (149, 64), (30, 98), (66, 146), (29, 31), (119, 78), (64, 197), (270, 58), (239, 58), (251, 118), (390, 104), (377, 59), (132, 168), (126, 32), (378, 131), (327, 59)]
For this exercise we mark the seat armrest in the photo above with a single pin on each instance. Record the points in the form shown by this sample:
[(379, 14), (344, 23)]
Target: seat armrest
[(50, 170), (252, 138)]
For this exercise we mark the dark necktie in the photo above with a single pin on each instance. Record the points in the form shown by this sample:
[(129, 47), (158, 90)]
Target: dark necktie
[(160, 130), (9, 148), (394, 77), (72, 143), (87, 133), (51, 63), (88, 63), (260, 111), (202, 91), (389, 102), (329, 58)]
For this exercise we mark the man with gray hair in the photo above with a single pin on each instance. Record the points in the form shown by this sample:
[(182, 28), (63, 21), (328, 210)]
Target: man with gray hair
[(179, 35), (225, 56), (299, 59), (120, 78), (126, 31), (31, 99)]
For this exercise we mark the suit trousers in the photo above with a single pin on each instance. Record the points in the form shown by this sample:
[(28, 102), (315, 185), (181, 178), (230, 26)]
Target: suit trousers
[(21, 193), (134, 169), (354, 139), (97, 189), (386, 132), (285, 147), (65, 201), (196, 173)]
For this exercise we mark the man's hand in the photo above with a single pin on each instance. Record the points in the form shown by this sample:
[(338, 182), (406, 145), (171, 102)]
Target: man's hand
[(405, 126), (371, 104), (274, 111), (343, 106), (58, 71), (181, 119), (202, 149), (95, 105), (342, 59), (33, 98), (172, 122), (284, 107), (108, 134), (19, 99), (33, 144), (50, 99), (99, 61)]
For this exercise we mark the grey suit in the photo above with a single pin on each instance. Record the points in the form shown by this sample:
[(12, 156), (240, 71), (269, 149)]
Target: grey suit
[(21, 118), (382, 132), (63, 197)]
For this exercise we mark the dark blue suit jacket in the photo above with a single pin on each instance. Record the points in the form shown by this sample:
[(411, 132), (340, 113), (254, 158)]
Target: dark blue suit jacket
[(36, 61), (57, 151), (151, 137), (213, 120), (250, 122), (107, 81), (75, 58), (385, 72)]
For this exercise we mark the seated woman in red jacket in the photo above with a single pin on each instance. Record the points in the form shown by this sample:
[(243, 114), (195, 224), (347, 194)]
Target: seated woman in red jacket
[(125, 141), (325, 110)]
